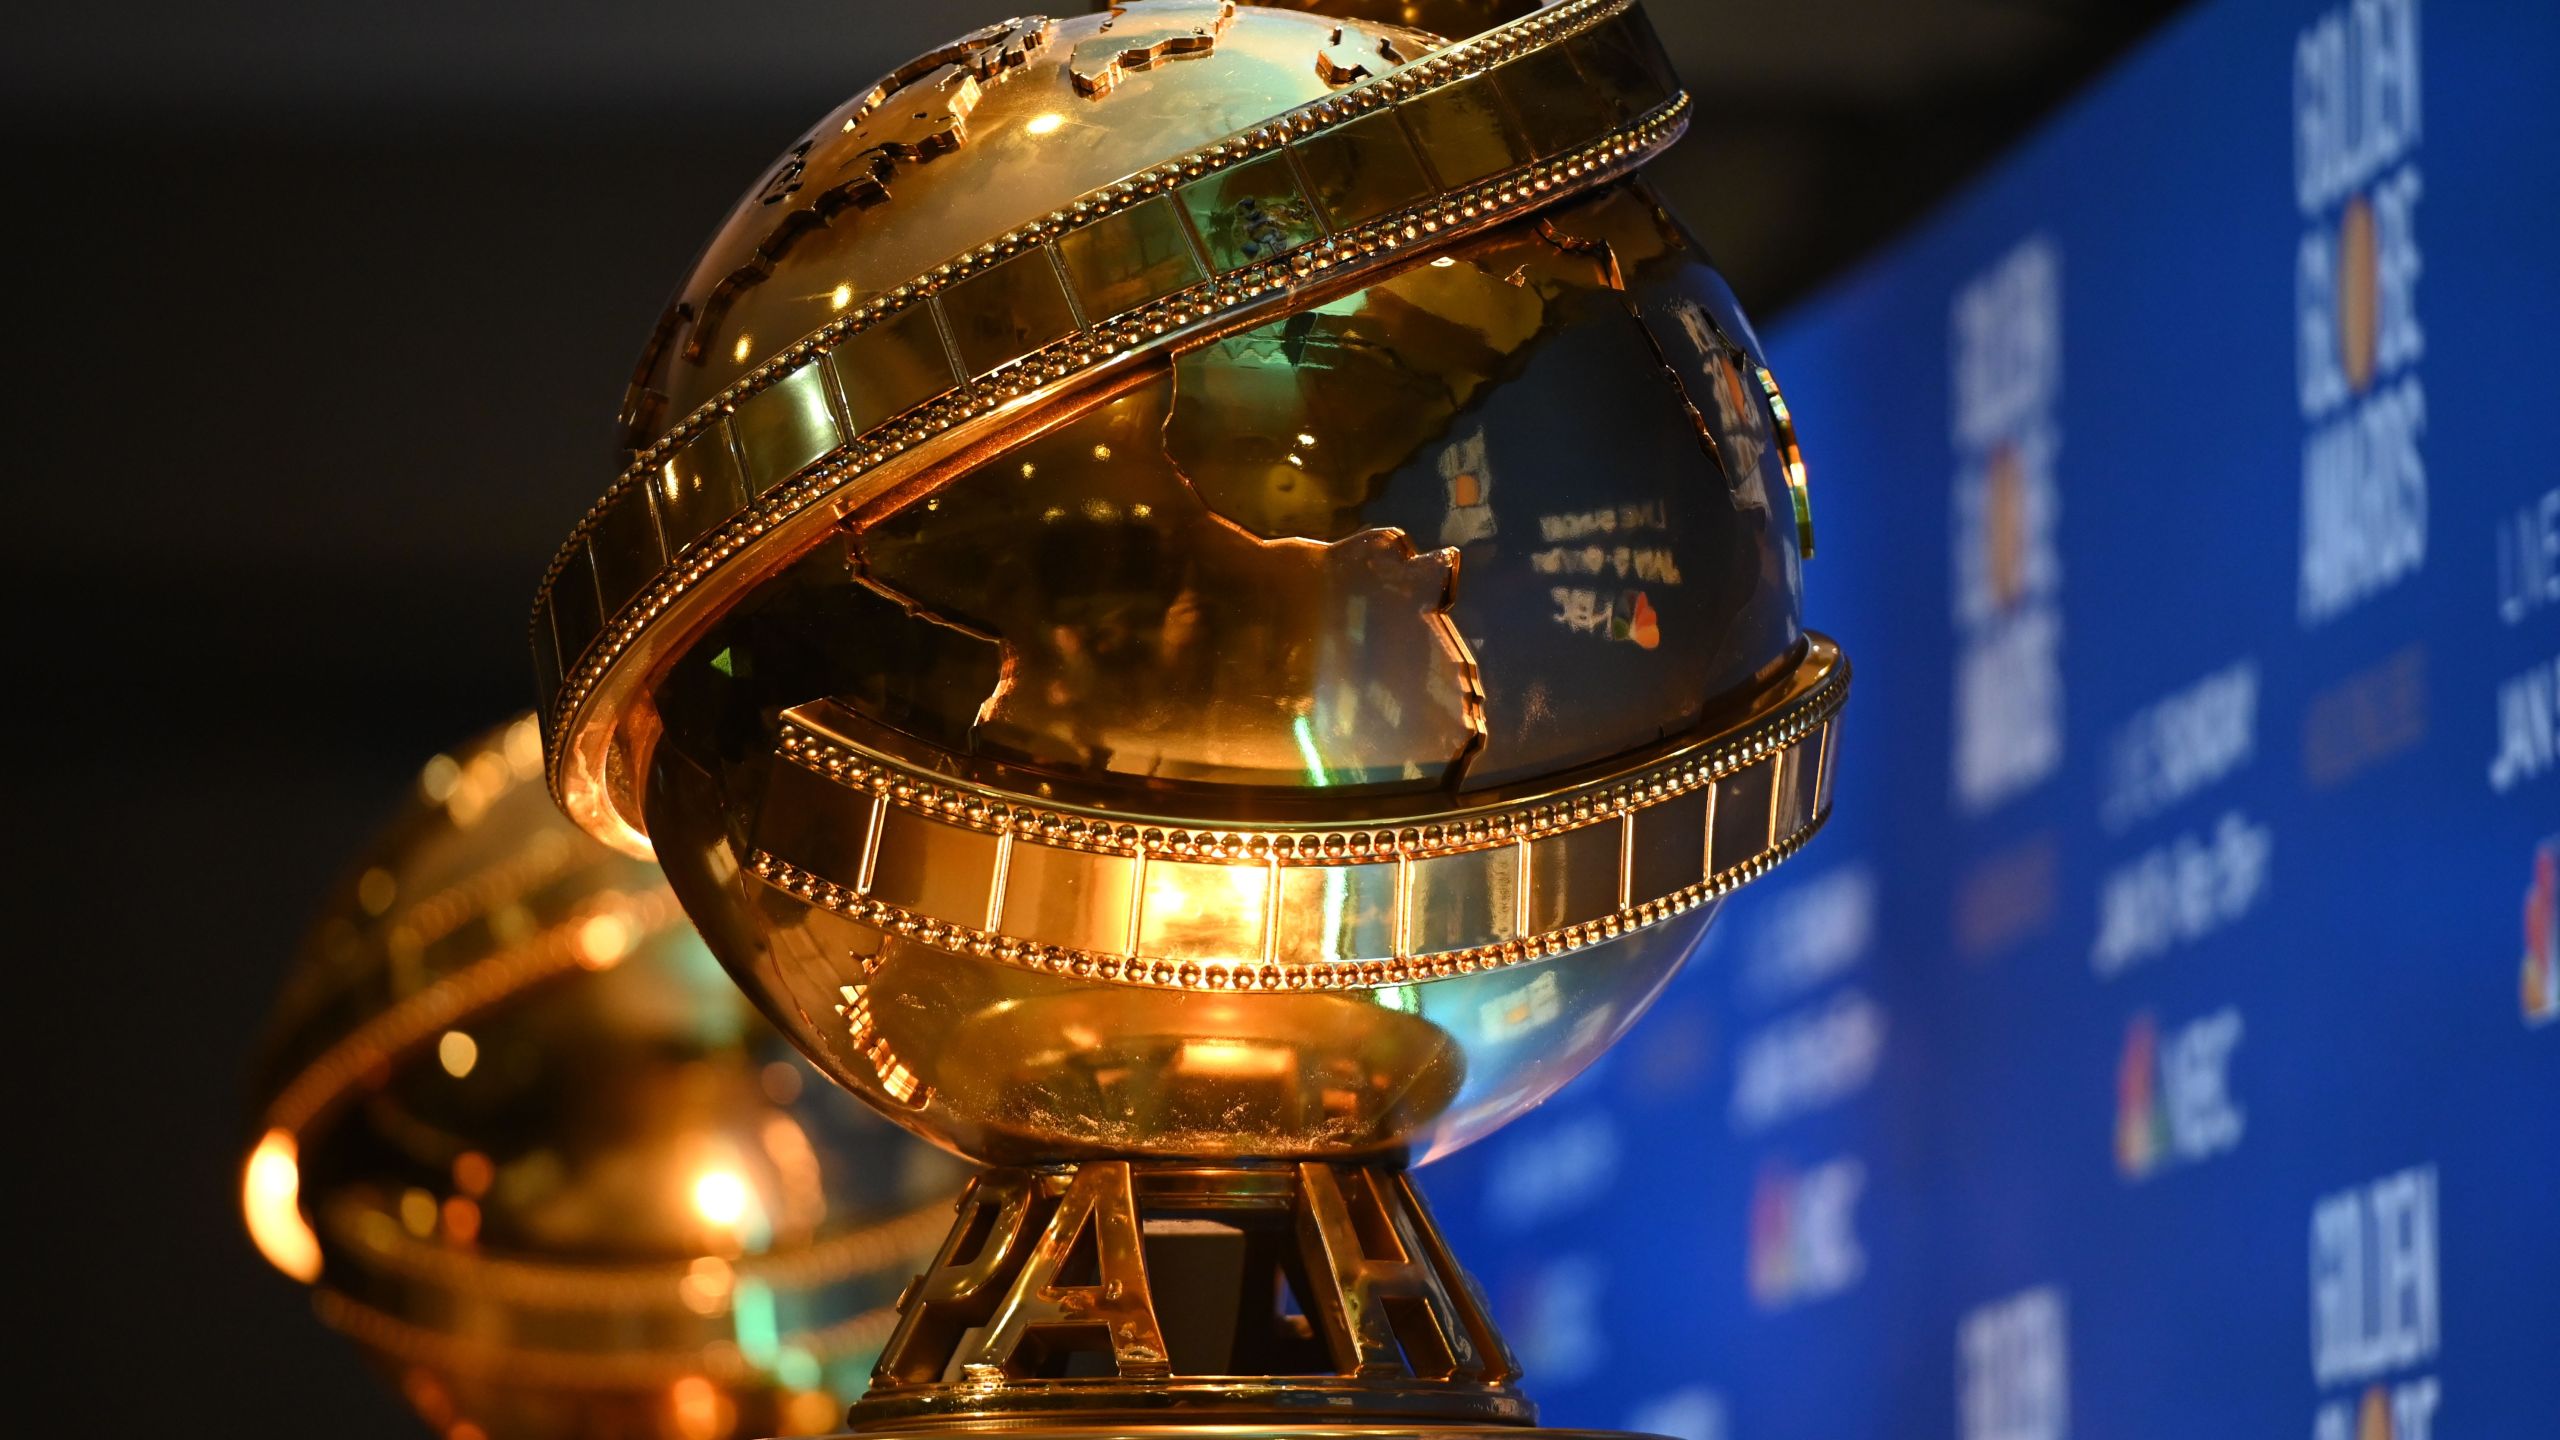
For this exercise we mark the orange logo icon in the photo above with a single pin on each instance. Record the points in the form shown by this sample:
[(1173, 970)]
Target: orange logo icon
[(2359, 306), (2539, 988)]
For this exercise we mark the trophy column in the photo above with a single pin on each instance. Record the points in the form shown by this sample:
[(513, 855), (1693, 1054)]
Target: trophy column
[(1119, 1291)]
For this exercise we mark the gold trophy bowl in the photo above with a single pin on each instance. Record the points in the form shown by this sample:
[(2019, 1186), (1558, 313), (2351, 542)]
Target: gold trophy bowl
[(540, 1161), (1202, 605)]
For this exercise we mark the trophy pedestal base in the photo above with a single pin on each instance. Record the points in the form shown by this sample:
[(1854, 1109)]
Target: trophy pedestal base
[(1158, 1298), (1166, 1300)]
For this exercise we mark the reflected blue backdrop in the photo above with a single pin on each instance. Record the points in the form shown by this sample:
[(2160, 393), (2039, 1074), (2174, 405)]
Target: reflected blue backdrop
[(2162, 1038)]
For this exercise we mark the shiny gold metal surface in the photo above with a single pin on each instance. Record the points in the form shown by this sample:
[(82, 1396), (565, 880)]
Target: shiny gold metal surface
[(542, 1163), (1333, 1277), (946, 358), (1250, 680), (1166, 694)]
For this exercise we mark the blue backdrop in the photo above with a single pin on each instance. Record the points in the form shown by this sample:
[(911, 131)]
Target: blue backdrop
[(2161, 1040)]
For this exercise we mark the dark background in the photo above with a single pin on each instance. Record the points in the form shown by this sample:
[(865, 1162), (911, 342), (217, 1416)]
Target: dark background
[(321, 313)]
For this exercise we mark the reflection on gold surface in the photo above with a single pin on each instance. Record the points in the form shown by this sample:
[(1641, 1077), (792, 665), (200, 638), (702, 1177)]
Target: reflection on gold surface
[(1204, 912), (534, 1152), (602, 941), (1139, 255), (721, 1198), (1354, 55), (1174, 1074), (457, 1052), (1142, 635), (1791, 458), (1294, 428), (270, 1198)]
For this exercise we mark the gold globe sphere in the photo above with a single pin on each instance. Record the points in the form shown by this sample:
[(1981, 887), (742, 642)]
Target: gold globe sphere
[(1311, 719), (545, 1166), (1203, 602)]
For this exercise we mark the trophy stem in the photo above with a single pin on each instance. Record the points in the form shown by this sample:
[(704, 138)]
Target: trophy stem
[(1116, 1292)]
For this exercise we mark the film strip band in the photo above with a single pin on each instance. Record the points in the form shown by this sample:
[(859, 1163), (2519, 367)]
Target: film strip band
[(1099, 896), (1553, 103)]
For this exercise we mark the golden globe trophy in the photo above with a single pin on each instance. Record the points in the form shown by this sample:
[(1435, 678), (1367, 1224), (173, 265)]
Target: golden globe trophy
[(541, 1161), (1202, 606)]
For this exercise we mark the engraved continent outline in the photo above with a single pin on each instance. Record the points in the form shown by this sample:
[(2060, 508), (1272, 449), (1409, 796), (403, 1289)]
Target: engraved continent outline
[(1353, 55), (1175, 30), (950, 79), (1053, 698)]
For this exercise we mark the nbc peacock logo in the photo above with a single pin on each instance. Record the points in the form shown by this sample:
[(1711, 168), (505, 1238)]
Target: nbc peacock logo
[(1804, 1242), (2174, 1105), (2539, 989)]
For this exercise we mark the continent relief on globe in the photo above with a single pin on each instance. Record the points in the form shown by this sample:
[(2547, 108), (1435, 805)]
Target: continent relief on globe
[(1507, 511), (868, 198)]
